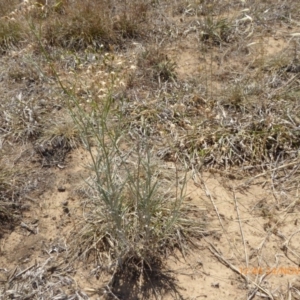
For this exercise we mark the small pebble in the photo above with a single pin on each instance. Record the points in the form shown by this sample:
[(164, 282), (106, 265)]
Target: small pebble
[(215, 285)]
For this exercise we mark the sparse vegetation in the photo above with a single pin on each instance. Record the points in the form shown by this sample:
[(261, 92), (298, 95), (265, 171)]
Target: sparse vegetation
[(156, 66), (10, 34), (136, 214), (153, 93)]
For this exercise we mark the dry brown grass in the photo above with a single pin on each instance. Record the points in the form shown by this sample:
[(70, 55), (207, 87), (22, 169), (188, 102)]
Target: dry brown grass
[(77, 24), (238, 111)]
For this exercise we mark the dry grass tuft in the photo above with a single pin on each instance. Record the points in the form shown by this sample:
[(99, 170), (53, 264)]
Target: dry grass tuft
[(78, 24), (155, 65), (11, 33), (37, 282), (62, 131), (12, 189)]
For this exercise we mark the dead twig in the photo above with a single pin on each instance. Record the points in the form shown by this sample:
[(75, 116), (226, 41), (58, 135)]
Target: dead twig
[(241, 230), (268, 171), (216, 253), (25, 226)]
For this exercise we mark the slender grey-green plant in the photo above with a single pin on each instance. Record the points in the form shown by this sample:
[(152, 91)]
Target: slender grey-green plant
[(135, 212)]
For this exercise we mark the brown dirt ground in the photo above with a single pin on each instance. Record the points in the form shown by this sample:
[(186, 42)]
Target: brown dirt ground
[(247, 228)]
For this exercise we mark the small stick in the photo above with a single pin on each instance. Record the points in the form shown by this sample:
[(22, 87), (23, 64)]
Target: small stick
[(30, 199), (24, 271), (272, 170), (208, 194), (23, 225), (215, 252), (241, 230)]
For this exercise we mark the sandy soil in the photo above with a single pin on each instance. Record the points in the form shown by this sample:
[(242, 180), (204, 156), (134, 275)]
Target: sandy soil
[(249, 233)]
